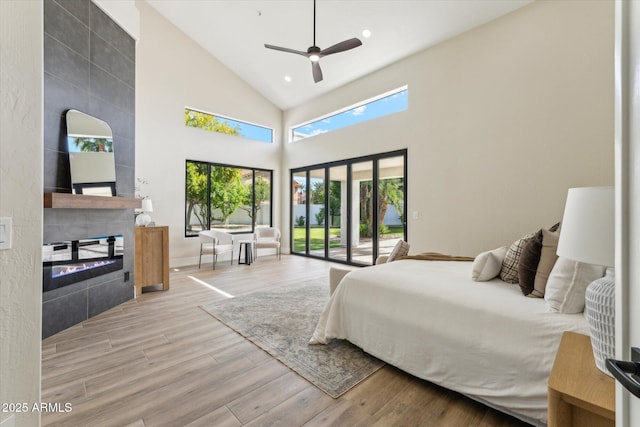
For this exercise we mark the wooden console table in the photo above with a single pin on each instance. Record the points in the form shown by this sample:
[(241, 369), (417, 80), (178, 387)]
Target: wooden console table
[(151, 257), (579, 394)]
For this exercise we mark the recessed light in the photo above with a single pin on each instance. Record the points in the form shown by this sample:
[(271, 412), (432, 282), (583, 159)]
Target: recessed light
[(366, 34), (287, 79)]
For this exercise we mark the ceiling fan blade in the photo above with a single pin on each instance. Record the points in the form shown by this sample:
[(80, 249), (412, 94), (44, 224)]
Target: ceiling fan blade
[(317, 72), (285, 49), (341, 47)]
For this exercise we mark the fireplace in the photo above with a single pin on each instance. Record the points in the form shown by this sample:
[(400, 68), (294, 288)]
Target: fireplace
[(68, 262)]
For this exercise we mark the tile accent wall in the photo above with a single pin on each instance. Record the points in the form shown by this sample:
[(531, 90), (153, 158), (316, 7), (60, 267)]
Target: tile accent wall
[(89, 65)]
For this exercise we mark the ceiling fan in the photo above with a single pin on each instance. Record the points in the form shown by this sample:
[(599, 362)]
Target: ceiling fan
[(314, 53)]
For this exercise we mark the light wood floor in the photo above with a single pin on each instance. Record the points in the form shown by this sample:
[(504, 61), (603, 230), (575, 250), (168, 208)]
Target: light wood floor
[(160, 360)]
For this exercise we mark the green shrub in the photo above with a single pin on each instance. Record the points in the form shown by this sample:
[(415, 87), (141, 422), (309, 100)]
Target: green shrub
[(320, 217)]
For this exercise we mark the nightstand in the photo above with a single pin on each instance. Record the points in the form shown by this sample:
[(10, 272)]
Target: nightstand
[(579, 394)]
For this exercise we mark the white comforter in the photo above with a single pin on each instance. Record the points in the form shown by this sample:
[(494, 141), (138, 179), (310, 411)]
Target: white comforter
[(428, 318)]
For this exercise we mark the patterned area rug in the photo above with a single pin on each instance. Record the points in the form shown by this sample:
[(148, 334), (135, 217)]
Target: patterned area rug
[(281, 321)]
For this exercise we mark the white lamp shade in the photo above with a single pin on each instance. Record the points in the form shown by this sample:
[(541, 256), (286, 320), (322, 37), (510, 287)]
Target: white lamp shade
[(147, 206), (588, 226)]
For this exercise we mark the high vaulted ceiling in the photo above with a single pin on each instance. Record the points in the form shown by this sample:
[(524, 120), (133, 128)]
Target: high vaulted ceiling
[(235, 31)]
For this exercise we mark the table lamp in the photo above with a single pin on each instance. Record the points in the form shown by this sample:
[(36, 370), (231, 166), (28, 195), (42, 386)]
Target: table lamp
[(587, 235), (144, 219)]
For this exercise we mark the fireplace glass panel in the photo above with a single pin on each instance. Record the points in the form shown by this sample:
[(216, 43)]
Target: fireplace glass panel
[(72, 261)]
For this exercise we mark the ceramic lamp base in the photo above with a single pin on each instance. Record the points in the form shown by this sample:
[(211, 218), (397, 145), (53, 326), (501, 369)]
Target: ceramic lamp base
[(600, 311), (143, 220)]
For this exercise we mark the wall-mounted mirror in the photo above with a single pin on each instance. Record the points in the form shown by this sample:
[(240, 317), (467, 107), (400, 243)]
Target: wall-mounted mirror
[(91, 158)]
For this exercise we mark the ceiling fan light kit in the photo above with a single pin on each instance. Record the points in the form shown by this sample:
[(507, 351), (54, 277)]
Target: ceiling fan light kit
[(314, 53)]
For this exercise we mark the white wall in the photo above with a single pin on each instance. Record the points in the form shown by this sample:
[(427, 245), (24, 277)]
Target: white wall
[(502, 120), (173, 72), (21, 151), (124, 12)]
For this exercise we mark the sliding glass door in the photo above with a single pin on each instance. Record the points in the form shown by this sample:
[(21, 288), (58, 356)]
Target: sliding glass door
[(317, 212), (362, 220), (299, 212), (337, 213), (391, 203), (349, 211)]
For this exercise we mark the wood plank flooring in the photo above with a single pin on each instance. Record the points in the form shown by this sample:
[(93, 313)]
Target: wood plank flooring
[(160, 360)]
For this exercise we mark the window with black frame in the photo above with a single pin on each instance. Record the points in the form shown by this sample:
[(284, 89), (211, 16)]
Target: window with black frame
[(229, 198), (349, 211)]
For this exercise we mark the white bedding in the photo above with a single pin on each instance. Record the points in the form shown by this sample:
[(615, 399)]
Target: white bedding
[(428, 318)]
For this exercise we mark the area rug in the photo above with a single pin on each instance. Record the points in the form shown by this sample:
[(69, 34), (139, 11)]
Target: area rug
[(281, 321)]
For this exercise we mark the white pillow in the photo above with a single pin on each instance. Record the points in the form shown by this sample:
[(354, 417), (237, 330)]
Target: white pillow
[(399, 250), (567, 284), (487, 265)]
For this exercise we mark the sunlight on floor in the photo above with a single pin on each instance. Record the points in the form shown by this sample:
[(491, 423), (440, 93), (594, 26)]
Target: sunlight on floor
[(213, 288)]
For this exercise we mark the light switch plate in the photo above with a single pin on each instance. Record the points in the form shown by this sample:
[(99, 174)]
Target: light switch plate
[(5, 233)]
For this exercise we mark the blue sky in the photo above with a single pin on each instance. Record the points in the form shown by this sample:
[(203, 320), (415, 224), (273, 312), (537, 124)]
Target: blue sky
[(246, 130), (368, 111), (250, 131)]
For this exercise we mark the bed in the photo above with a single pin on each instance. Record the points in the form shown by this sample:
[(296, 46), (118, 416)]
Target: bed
[(428, 318)]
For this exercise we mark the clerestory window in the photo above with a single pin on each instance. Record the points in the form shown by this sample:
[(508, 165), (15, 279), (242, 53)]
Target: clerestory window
[(382, 105), (221, 124)]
